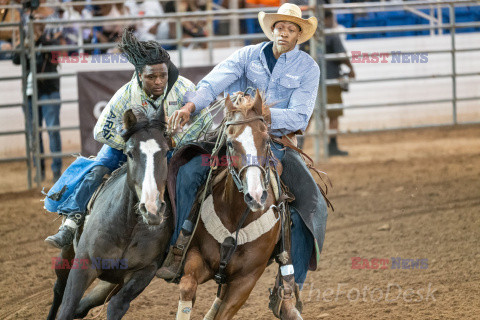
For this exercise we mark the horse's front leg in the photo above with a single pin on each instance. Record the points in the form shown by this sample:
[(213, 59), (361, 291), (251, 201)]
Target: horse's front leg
[(96, 297), (61, 282), (195, 272), (235, 295), (120, 302), (78, 282)]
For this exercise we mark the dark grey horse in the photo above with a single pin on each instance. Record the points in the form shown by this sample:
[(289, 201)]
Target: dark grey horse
[(127, 232)]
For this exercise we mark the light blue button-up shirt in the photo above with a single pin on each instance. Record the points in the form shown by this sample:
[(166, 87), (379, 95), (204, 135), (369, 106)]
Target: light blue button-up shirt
[(290, 89)]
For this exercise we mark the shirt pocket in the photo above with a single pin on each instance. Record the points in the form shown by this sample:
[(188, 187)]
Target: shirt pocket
[(286, 87)]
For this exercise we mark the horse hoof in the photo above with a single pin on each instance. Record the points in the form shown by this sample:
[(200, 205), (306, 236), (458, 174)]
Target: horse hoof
[(292, 314)]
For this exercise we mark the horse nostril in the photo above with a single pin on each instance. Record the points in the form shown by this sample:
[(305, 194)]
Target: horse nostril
[(248, 198), (264, 196), (161, 206), (142, 208)]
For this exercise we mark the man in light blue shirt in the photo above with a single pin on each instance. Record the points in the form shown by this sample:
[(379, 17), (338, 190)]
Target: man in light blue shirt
[(289, 79), (289, 83)]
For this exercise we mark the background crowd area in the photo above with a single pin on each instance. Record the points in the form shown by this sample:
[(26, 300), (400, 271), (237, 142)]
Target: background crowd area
[(153, 29)]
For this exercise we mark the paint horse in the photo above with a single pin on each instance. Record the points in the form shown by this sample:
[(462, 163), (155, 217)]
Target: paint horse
[(129, 221), (244, 194)]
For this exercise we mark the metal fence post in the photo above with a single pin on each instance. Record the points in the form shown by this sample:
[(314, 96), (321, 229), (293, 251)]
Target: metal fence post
[(454, 65), (322, 113), (28, 120), (210, 32), (317, 117), (234, 22), (179, 33), (34, 103)]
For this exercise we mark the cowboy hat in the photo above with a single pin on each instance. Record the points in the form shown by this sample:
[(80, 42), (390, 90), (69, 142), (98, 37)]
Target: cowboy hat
[(288, 12)]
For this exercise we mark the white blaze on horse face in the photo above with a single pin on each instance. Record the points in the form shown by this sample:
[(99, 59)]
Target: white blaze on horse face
[(150, 191), (253, 174)]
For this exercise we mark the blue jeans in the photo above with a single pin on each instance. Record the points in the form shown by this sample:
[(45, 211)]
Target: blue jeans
[(51, 114), (192, 175), (4, 55), (109, 159)]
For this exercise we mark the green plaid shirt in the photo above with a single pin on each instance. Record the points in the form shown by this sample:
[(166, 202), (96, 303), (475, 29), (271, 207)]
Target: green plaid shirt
[(110, 121)]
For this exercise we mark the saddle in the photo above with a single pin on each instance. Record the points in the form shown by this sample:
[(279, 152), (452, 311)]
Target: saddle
[(108, 178), (181, 157)]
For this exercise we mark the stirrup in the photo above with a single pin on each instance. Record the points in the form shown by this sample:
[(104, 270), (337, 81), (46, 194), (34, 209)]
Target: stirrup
[(171, 269)]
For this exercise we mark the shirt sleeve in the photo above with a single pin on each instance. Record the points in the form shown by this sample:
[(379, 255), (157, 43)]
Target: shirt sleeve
[(190, 89), (110, 120), (222, 76), (300, 107)]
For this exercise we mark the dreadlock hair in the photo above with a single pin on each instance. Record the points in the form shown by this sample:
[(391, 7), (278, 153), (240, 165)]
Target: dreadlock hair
[(142, 53)]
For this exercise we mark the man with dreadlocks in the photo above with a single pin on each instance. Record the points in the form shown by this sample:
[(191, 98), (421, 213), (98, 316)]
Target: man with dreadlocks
[(155, 84)]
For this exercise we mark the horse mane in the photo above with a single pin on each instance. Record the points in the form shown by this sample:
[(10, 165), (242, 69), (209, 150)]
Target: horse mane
[(244, 103)]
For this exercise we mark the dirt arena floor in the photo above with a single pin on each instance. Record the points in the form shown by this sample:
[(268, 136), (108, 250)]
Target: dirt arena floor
[(406, 194)]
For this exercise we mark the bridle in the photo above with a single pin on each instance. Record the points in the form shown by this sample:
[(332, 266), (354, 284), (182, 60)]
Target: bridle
[(236, 176)]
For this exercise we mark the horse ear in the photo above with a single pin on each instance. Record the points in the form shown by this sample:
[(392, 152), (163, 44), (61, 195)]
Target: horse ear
[(129, 119), (258, 103), (229, 104)]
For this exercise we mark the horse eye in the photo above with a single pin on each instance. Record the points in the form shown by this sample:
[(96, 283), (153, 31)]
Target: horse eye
[(229, 144), (129, 154)]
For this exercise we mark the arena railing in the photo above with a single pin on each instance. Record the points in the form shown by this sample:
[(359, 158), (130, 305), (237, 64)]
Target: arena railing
[(23, 77), (33, 147), (321, 133)]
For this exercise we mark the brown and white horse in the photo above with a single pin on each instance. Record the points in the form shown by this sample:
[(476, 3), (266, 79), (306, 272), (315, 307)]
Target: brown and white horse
[(246, 138)]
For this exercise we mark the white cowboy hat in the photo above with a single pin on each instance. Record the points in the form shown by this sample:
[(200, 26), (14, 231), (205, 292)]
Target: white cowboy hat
[(288, 12)]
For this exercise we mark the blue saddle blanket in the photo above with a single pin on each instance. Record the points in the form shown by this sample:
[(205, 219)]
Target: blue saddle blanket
[(75, 173)]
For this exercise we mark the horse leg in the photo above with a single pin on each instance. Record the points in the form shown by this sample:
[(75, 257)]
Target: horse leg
[(60, 283), (289, 309), (216, 304), (235, 295), (78, 282), (96, 297), (194, 273), (139, 280), (214, 309)]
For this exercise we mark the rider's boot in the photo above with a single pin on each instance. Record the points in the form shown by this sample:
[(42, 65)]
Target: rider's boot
[(171, 268), (66, 233)]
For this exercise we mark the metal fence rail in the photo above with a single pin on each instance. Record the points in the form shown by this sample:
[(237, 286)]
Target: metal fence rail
[(321, 133), (320, 115)]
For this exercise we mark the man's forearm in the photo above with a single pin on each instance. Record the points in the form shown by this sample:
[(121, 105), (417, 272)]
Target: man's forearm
[(200, 99)]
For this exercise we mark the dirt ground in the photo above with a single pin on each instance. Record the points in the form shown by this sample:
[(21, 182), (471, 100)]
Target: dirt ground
[(407, 194)]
